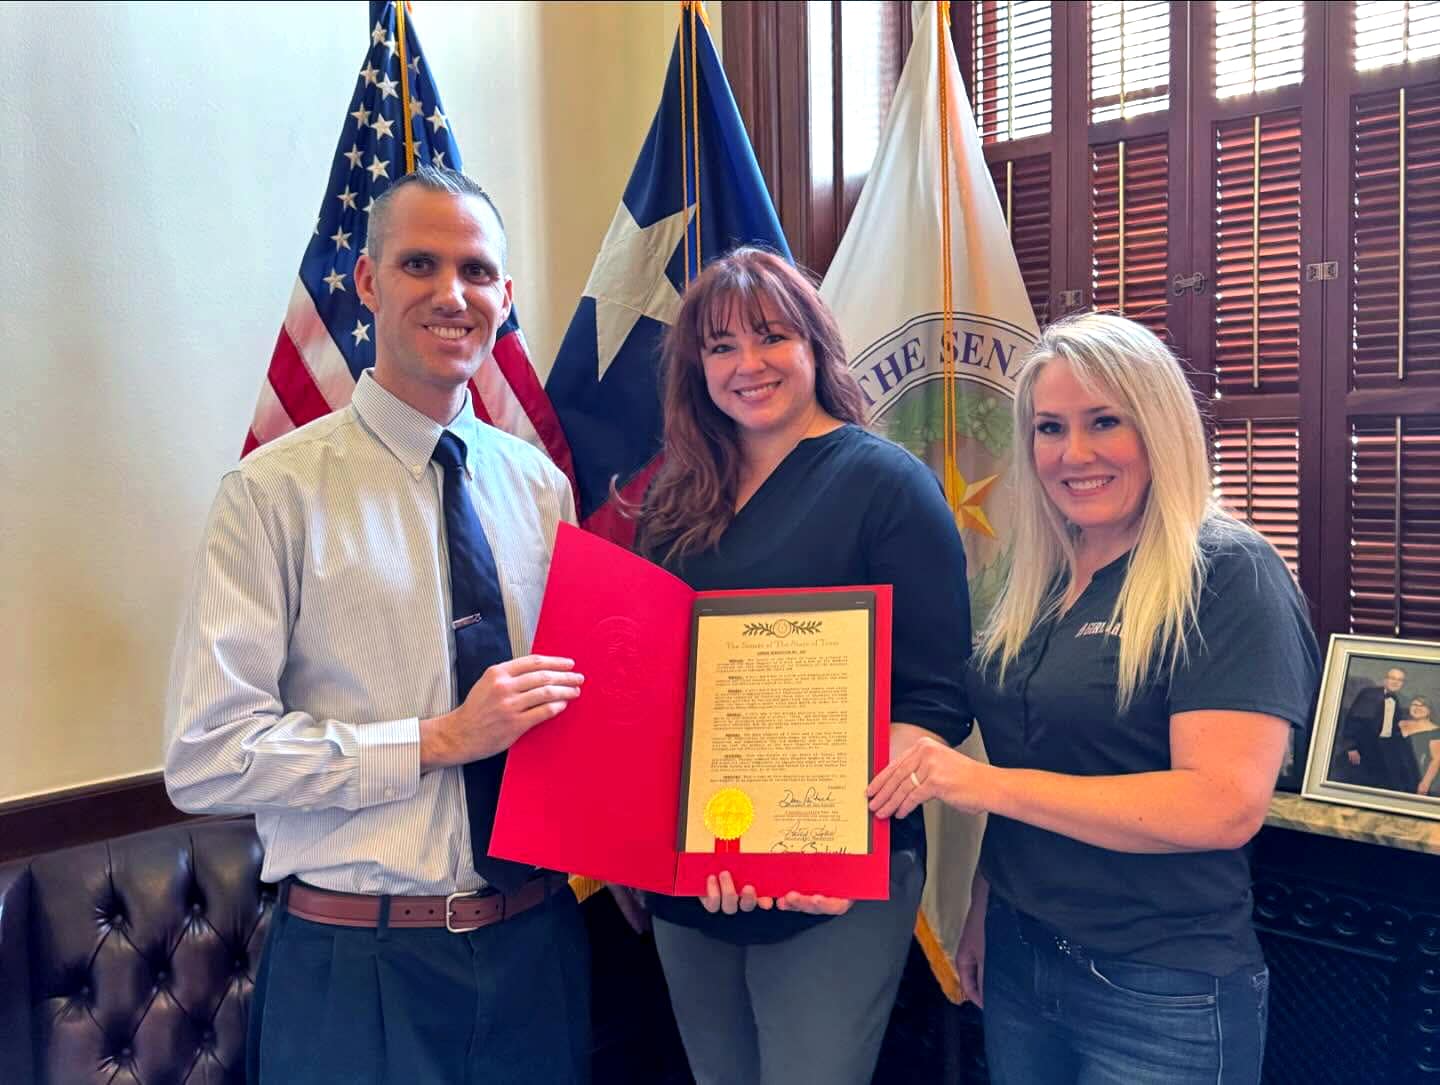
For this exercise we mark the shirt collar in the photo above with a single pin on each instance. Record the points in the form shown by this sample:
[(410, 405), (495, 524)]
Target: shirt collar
[(409, 435), (1114, 569), (1108, 577)]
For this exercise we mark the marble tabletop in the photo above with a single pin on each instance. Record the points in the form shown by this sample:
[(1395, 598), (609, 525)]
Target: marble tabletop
[(1353, 823)]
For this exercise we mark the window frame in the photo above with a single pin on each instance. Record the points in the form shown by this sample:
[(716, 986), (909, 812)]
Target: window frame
[(765, 56)]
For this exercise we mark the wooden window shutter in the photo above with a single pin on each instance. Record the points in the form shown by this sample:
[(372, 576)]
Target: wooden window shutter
[(1246, 320), (1011, 69), (1023, 185), (1395, 525), (1129, 58), (1257, 258), (1395, 234), (1384, 328), (1130, 209), (1257, 477)]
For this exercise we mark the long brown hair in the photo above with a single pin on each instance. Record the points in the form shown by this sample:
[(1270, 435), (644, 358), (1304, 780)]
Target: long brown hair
[(692, 500)]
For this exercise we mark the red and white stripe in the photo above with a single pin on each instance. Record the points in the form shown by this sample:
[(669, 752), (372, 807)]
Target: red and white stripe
[(308, 378)]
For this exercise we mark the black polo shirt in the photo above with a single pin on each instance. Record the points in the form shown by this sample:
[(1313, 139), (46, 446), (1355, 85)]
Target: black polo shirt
[(1252, 651), (849, 507)]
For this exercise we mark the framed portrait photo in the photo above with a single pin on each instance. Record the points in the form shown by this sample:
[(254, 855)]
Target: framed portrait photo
[(1376, 740)]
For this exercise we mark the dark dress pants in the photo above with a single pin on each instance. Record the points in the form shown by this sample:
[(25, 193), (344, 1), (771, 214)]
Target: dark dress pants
[(508, 1004)]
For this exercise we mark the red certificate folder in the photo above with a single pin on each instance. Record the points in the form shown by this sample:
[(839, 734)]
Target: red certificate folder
[(598, 790)]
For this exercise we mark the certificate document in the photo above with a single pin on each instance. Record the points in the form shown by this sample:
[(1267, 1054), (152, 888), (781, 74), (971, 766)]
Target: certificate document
[(715, 731), (779, 724)]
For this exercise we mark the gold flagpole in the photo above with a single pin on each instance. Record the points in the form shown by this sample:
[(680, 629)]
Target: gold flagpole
[(950, 380), (688, 62), (684, 133), (405, 117), (695, 6)]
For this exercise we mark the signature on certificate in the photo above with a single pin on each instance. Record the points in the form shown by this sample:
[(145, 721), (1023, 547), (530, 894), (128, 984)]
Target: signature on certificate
[(809, 840), (812, 797), (808, 847)]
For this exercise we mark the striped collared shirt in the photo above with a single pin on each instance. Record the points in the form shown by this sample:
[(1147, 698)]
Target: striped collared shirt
[(317, 636)]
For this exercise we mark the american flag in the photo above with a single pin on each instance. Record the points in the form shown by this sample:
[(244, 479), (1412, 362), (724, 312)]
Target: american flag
[(327, 341)]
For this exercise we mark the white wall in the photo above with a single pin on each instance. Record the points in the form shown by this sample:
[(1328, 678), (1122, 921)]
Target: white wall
[(162, 168)]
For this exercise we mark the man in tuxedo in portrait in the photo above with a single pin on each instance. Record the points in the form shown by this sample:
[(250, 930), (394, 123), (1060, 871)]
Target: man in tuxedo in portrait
[(1372, 751)]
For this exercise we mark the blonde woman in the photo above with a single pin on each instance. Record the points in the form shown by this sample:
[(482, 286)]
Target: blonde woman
[(1135, 688)]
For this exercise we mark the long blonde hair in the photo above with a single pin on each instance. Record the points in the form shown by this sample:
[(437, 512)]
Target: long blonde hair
[(1130, 366)]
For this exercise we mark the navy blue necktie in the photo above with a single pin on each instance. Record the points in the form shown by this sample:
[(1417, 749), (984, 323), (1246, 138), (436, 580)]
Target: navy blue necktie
[(481, 640)]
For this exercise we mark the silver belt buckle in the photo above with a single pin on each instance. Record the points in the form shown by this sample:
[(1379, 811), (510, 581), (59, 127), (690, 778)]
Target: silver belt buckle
[(450, 912)]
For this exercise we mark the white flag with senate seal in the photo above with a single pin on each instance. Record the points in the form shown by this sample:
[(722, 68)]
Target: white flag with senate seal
[(886, 288)]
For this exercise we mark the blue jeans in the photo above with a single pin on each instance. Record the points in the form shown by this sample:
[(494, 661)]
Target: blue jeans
[(1054, 1013)]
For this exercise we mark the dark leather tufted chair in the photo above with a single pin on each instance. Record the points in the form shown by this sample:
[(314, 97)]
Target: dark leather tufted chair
[(133, 959)]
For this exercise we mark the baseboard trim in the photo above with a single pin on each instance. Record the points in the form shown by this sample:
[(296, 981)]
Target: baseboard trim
[(80, 815)]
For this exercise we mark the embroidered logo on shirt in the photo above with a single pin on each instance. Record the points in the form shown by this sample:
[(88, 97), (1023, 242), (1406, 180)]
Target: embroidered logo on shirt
[(1095, 629)]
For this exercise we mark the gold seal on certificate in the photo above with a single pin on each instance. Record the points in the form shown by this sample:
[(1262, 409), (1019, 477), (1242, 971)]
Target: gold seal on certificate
[(729, 813)]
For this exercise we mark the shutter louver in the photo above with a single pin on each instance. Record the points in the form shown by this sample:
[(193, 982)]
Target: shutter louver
[(1257, 477), (1257, 259), (1395, 526), (1395, 32), (1129, 58), (1258, 45), (1395, 236), (1422, 230), (1012, 69), (1130, 210), (1023, 186)]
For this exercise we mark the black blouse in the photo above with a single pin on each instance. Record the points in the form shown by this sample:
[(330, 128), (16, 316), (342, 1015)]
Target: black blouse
[(849, 507)]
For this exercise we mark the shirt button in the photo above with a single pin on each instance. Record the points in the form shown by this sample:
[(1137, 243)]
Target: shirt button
[(389, 792)]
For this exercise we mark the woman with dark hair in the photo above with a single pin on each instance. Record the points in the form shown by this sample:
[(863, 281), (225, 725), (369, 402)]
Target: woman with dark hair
[(1422, 733), (771, 481)]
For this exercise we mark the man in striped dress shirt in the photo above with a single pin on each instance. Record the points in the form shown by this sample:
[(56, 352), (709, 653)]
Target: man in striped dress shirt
[(313, 685)]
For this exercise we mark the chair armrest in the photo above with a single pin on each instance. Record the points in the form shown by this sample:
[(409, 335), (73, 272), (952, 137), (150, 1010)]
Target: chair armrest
[(16, 1032)]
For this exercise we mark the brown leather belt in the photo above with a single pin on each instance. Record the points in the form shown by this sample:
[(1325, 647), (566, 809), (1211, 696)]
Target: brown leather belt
[(458, 913)]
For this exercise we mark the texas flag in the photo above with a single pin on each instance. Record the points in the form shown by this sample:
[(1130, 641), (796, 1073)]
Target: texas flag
[(695, 193)]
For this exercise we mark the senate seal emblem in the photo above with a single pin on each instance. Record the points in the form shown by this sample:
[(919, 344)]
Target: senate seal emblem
[(901, 377)]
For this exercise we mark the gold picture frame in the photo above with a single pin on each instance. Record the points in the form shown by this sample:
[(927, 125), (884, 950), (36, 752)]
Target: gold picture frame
[(1376, 738)]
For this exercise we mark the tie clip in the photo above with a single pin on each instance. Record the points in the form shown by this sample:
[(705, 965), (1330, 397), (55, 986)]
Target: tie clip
[(461, 623)]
